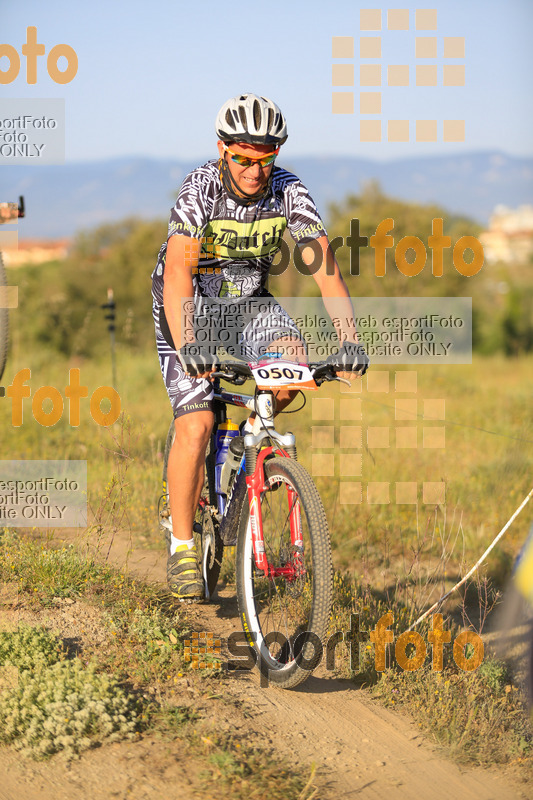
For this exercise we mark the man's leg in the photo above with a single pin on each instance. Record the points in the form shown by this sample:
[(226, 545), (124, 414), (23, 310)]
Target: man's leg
[(186, 462), (186, 469), (185, 478)]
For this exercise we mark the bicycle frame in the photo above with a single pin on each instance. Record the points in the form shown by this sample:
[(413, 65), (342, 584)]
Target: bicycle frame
[(262, 404), (256, 484)]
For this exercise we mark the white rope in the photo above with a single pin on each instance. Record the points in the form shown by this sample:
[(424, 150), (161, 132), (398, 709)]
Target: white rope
[(477, 564)]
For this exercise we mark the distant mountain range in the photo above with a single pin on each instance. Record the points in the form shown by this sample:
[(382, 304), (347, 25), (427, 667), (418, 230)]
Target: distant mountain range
[(61, 200)]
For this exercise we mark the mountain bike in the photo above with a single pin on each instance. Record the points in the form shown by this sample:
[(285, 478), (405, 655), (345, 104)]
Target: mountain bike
[(523, 590), (265, 503), (16, 212), (4, 320)]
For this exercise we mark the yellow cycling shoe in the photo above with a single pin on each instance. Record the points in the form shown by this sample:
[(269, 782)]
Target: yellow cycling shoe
[(184, 578)]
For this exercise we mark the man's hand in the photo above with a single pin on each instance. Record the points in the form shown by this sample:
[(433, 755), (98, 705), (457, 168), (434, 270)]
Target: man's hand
[(198, 361), (351, 359)]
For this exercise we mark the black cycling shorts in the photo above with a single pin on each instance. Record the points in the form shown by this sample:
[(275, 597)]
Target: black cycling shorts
[(245, 328)]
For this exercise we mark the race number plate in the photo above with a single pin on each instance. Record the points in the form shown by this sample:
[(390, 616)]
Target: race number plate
[(274, 374)]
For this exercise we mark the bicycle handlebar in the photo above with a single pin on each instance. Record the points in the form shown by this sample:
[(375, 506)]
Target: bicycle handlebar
[(238, 372)]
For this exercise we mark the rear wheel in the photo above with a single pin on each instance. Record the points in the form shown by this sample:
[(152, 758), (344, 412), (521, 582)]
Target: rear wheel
[(4, 334), (285, 617), (206, 526)]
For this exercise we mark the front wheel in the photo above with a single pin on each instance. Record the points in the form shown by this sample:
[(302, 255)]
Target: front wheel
[(285, 617), (206, 526)]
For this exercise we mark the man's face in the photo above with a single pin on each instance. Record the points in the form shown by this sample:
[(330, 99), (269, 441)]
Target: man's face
[(250, 180)]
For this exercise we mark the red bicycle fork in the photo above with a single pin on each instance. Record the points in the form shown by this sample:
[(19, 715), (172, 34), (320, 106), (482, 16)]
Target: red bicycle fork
[(256, 484)]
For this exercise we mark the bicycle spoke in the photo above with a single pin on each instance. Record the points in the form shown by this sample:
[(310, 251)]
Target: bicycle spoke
[(280, 610), (294, 597)]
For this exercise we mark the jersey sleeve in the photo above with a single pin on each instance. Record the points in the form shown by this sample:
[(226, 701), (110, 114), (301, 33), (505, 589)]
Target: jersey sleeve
[(303, 220), (190, 215)]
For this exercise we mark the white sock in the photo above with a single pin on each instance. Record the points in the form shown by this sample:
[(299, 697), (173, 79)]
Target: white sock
[(175, 543)]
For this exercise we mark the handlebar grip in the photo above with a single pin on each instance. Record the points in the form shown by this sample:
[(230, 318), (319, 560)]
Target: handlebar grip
[(323, 372), (239, 372), (235, 372)]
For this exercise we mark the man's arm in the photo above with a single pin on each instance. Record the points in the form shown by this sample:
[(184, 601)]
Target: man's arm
[(183, 253), (331, 285), (339, 307)]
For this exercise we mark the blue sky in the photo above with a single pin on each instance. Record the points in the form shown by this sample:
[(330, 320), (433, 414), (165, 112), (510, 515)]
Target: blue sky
[(152, 75)]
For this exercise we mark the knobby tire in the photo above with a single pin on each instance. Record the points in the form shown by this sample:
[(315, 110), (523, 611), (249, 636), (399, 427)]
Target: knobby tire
[(4, 328), (278, 615)]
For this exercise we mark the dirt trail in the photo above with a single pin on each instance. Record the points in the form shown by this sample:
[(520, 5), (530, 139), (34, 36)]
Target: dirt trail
[(361, 749)]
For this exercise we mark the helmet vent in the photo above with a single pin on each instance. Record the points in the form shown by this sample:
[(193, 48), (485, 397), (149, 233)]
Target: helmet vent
[(253, 119), (257, 114)]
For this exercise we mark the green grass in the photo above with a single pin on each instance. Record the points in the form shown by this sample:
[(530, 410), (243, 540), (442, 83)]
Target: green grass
[(477, 721), (480, 717), (59, 705), (29, 648), (486, 474), (400, 556), (142, 626), (124, 685)]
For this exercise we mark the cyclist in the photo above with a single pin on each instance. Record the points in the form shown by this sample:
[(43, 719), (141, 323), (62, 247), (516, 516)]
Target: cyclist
[(224, 232)]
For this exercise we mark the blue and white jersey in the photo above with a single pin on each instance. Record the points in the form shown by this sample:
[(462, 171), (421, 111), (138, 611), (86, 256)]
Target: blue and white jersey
[(239, 242)]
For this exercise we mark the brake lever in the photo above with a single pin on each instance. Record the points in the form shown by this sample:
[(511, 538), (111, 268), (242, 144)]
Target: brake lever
[(219, 374), (237, 380), (342, 380)]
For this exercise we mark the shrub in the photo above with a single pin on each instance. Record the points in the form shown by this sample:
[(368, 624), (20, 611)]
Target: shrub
[(65, 707), (59, 704), (29, 648)]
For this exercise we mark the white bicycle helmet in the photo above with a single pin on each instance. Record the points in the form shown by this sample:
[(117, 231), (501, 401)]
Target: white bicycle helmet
[(252, 119)]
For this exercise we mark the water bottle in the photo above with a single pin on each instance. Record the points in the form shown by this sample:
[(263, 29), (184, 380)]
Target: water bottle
[(232, 462), (225, 433)]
